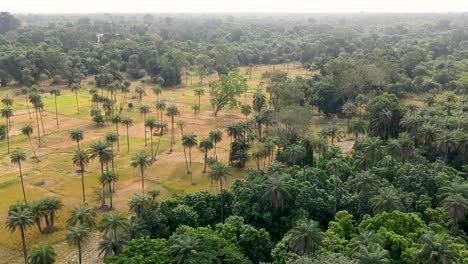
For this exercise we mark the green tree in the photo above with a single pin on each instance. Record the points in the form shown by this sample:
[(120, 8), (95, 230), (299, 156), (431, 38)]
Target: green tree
[(199, 92), (387, 200), (36, 101), (172, 111), (331, 131), (294, 153), (141, 161), (111, 138), (357, 126), (160, 107), (277, 191), (127, 122), (77, 135), (20, 218), (219, 173), (140, 90), (116, 119), (189, 141), (27, 131), (75, 87), (16, 157), (81, 158), (144, 109), (157, 90), (246, 110), (184, 247), (306, 236), (55, 91), (144, 251), (7, 113), (42, 254), (455, 200), (216, 136), (227, 91), (206, 144), (82, 215), (151, 123), (77, 236)]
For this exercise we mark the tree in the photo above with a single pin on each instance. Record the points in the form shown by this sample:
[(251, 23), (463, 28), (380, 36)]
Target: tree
[(205, 145), (144, 109), (114, 225), (455, 200), (111, 138), (109, 178), (157, 90), (246, 110), (101, 150), (36, 101), (141, 161), (53, 205), (184, 247), (8, 22), (384, 116), (387, 200), (144, 250), (199, 92), (259, 101), (82, 215), (160, 107), (75, 87), (294, 153), (76, 134), (7, 113), (357, 126), (27, 131), (216, 136), (349, 109), (55, 91), (140, 90), (81, 158), (306, 236), (116, 119), (172, 111), (127, 122), (371, 254), (42, 254), (20, 218), (277, 191), (227, 91), (434, 249), (77, 236), (204, 66), (219, 173), (189, 140), (151, 123), (332, 131), (16, 157)]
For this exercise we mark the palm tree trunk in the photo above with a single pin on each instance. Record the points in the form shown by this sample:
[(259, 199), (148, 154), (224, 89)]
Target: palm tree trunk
[(38, 128), (8, 134), (151, 142), (190, 164), (56, 112), (144, 127), (42, 122), (172, 132), (157, 147), (32, 148), (199, 103), (82, 182), (222, 201), (142, 171), (79, 252), (206, 157), (27, 105), (118, 138), (25, 250), (128, 142), (22, 181), (110, 194), (186, 163), (112, 161), (77, 106), (214, 153)]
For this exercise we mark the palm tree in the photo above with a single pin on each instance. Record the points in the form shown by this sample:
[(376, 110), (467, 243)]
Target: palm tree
[(455, 200), (38, 210), (116, 119), (111, 138), (349, 109), (157, 90), (55, 91), (371, 254), (36, 101), (219, 173), (53, 204), (112, 245), (100, 149), (294, 153), (246, 110), (189, 141), (109, 178), (7, 113), (144, 109), (371, 150), (357, 126), (140, 90), (77, 236), (277, 191), (172, 111), (114, 225), (154, 193), (27, 131), (216, 136), (75, 87), (199, 92), (184, 247), (20, 218), (332, 131), (387, 200), (127, 122), (205, 145), (76, 134), (141, 161), (446, 142), (160, 107), (138, 204), (434, 249), (24, 91), (151, 124), (16, 157), (306, 236), (82, 215), (81, 158), (42, 254)]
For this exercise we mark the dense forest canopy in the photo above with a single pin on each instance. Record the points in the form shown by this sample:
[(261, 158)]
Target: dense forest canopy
[(399, 196)]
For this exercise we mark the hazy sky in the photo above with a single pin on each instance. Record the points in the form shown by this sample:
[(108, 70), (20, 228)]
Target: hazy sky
[(283, 6)]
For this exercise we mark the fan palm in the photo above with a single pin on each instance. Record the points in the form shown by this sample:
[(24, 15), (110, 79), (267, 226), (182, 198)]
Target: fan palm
[(127, 122), (16, 157), (216, 136), (455, 200), (75, 87), (140, 90), (160, 107), (20, 218), (111, 138), (141, 161), (144, 109), (157, 90), (77, 236), (36, 101), (116, 119), (199, 92), (151, 124), (7, 113), (172, 111), (219, 173), (277, 191), (77, 135), (81, 158), (387, 200), (205, 145), (306, 236), (434, 249), (55, 91), (357, 126), (294, 153), (189, 141), (42, 254), (184, 247), (27, 131), (82, 215), (110, 179)]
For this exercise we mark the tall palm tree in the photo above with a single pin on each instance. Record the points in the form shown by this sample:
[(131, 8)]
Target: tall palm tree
[(189, 141), (115, 226), (172, 111), (75, 87), (24, 91), (42, 254), (127, 122), (157, 90), (53, 205), (349, 109), (39, 211), (109, 178), (216, 136), (111, 138), (81, 158), (141, 161), (205, 145), (332, 131), (199, 92), (387, 200), (434, 249), (101, 150), (27, 131), (7, 113), (77, 135), (455, 200), (16, 157), (116, 119), (446, 142), (20, 218), (55, 91), (277, 191), (151, 124), (77, 236), (140, 90), (144, 109), (36, 101), (370, 149), (184, 247), (246, 110), (294, 153), (357, 126), (306, 236), (82, 215), (219, 173), (160, 107)]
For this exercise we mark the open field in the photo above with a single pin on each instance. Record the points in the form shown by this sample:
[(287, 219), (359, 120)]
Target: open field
[(55, 175)]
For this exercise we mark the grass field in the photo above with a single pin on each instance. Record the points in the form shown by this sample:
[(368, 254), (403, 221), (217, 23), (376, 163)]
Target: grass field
[(55, 175)]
